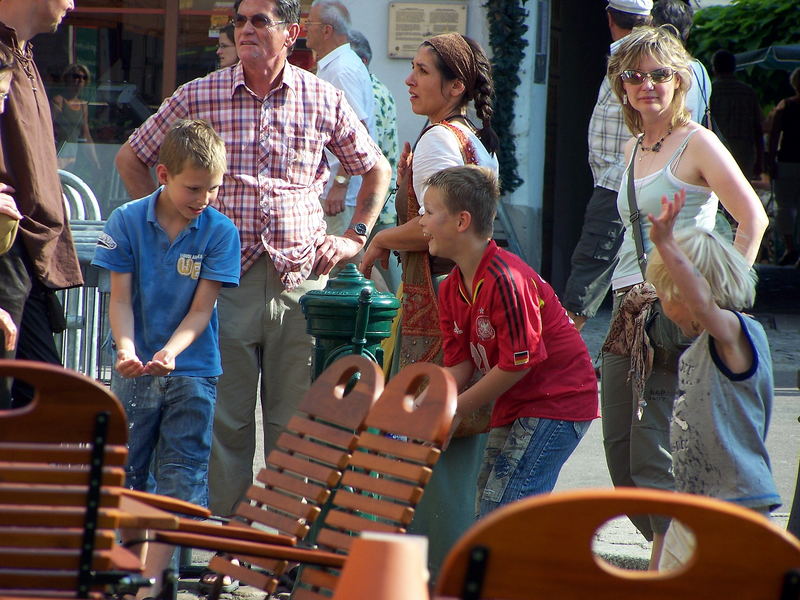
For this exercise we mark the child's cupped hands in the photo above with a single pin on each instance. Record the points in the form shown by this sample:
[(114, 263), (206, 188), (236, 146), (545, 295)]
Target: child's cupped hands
[(128, 364), (662, 225), (161, 365)]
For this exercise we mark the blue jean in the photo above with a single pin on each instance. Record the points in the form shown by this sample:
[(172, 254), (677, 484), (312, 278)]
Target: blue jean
[(169, 433), (524, 458)]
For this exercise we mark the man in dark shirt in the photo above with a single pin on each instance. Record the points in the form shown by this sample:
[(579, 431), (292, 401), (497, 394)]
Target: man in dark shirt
[(735, 109), (42, 258)]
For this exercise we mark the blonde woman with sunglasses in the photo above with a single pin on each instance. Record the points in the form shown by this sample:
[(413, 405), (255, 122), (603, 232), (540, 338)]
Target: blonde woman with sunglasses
[(650, 73)]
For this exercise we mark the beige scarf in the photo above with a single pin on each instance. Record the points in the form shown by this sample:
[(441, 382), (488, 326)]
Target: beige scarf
[(627, 336)]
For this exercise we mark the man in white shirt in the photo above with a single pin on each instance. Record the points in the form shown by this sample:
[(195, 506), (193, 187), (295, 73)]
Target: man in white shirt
[(328, 30)]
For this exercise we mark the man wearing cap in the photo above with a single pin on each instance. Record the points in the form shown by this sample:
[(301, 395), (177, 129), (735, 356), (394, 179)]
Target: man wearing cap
[(595, 255)]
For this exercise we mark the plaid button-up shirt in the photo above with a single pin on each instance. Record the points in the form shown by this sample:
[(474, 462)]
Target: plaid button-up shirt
[(607, 136), (276, 168)]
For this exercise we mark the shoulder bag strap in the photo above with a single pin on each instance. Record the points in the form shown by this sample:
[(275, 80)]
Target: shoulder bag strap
[(635, 219), (468, 153)]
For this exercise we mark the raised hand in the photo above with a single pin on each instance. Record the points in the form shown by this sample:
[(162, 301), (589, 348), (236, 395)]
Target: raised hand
[(404, 164), (662, 225)]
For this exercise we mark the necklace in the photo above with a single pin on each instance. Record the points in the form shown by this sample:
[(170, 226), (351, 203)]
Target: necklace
[(655, 147)]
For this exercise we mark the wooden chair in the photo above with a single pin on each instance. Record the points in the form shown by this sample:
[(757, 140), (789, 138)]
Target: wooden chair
[(307, 464), (541, 547), (61, 465), (389, 470)]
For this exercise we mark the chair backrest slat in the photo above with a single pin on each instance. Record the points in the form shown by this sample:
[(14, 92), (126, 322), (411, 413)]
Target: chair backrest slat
[(257, 579), (303, 426), (64, 474), (12, 515), (49, 454), (393, 447), (50, 495), (299, 465), (391, 467), (365, 503), (404, 492), (58, 538), (66, 559), (314, 450), (286, 525), (301, 488)]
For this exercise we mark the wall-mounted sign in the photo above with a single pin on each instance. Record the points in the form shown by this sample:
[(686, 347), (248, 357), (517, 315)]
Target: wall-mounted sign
[(411, 23)]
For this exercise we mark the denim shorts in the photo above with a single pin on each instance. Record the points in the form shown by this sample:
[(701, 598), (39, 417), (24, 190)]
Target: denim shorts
[(524, 458), (169, 433)]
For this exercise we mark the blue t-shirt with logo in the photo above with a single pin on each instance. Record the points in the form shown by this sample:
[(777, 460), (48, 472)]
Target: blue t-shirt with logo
[(165, 276)]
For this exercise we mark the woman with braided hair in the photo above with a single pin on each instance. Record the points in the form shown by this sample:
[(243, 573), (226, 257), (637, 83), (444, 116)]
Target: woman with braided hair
[(448, 72)]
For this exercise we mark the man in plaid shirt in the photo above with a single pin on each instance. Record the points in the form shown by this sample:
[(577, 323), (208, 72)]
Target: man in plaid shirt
[(595, 255), (276, 121)]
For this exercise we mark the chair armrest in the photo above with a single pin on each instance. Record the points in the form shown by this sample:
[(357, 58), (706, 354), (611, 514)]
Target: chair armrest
[(234, 532), (254, 549), (138, 515), (166, 503)]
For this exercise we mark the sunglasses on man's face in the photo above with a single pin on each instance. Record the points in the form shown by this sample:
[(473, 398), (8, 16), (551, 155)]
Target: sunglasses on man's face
[(636, 77), (258, 21)]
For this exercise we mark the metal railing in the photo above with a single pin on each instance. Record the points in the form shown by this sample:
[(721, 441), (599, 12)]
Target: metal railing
[(82, 344)]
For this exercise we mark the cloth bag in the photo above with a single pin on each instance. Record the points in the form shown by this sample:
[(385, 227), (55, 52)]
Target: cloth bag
[(8, 232)]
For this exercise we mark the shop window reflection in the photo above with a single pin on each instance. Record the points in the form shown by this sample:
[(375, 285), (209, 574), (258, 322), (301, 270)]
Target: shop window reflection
[(122, 54)]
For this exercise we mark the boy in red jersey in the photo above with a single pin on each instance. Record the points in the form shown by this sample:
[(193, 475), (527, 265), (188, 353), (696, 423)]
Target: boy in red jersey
[(500, 317)]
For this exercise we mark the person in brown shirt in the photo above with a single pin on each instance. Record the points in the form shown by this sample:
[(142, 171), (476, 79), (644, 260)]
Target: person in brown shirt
[(43, 257)]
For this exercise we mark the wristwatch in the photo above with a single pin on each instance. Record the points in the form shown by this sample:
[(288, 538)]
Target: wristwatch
[(359, 228), (341, 180)]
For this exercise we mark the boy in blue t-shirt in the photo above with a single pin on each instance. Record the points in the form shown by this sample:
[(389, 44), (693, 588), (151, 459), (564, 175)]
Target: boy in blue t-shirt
[(169, 254)]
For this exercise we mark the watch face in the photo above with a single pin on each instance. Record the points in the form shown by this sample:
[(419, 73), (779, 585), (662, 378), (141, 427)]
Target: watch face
[(360, 228)]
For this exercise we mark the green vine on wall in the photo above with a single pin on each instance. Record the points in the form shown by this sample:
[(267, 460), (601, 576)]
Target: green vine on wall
[(507, 40)]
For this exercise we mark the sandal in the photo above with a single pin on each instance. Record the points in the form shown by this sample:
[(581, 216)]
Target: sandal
[(208, 579)]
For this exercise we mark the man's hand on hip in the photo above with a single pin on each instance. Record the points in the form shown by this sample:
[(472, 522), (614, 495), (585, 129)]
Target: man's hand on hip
[(333, 249)]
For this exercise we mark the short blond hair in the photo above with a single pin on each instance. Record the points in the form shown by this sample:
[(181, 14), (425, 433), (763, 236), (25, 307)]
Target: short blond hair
[(663, 45), (193, 142), (472, 189), (730, 277)]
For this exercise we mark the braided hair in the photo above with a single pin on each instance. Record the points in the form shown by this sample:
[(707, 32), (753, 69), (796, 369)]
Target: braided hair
[(478, 87)]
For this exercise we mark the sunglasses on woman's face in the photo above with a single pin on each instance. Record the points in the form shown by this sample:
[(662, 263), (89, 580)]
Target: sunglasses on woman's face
[(79, 76), (636, 77)]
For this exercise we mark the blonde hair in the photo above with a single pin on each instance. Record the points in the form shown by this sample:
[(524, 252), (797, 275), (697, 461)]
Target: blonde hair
[(732, 281), (195, 142), (665, 47)]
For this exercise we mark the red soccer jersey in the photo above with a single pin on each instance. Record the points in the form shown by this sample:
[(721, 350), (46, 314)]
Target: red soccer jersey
[(515, 321)]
